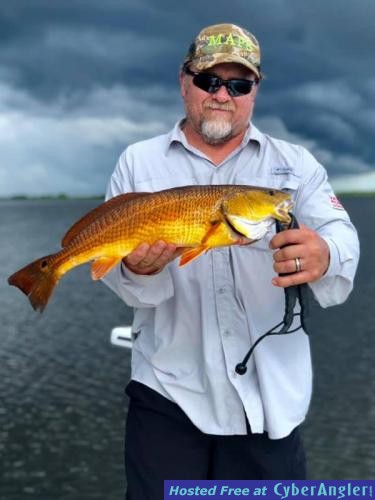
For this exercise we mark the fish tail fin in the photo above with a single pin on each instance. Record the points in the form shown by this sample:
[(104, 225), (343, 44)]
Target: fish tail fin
[(37, 281)]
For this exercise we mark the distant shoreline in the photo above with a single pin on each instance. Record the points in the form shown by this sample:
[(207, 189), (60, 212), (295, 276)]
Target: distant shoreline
[(359, 194), (64, 197)]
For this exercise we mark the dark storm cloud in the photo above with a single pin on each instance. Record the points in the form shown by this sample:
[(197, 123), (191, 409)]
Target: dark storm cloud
[(80, 80), (59, 46)]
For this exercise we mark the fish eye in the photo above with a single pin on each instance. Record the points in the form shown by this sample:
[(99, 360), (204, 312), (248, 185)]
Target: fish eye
[(271, 192), (44, 264)]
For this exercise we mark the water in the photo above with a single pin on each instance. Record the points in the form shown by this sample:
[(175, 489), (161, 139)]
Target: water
[(62, 383)]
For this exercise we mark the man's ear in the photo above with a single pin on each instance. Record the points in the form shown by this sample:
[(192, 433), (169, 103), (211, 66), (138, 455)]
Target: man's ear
[(182, 83), (255, 89)]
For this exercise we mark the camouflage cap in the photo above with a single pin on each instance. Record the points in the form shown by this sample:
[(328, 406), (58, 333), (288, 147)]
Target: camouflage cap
[(222, 43)]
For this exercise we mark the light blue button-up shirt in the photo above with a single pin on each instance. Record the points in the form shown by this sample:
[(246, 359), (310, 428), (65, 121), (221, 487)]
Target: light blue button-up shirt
[(195, 323)]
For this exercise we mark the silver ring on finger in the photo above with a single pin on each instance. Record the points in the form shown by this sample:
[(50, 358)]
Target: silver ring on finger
[(297, 261)]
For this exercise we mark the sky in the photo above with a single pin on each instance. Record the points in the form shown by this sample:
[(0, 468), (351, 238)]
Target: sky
[(82, 79)]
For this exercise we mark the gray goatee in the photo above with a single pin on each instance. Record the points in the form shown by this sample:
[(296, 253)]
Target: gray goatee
[(215, 131)]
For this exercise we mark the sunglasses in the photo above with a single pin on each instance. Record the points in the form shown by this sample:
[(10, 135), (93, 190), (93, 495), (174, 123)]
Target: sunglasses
[(236, 87)]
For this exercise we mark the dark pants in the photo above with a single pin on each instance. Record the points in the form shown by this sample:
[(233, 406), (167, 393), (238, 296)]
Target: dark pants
[(162, 443)]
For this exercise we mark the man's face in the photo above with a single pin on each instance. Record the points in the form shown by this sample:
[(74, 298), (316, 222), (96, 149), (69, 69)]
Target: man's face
[(218, 117)]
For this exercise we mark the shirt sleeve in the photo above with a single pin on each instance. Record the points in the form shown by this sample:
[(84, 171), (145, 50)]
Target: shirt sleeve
[(318, 208), (134, 289)]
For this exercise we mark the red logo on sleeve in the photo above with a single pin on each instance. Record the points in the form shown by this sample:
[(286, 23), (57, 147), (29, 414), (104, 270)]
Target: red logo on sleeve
[(335, 203)]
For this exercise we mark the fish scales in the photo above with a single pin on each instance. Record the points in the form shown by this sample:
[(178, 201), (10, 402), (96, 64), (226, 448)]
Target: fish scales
[(196, 218)]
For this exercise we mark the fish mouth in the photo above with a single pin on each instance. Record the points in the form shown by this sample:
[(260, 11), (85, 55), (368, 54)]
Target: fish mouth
[(282, 211)]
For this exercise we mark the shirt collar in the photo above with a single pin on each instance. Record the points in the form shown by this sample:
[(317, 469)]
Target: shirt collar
[(176, 135), (253, 135)]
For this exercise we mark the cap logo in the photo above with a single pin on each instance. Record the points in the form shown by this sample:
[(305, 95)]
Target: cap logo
[(236, 41), (224, 43)]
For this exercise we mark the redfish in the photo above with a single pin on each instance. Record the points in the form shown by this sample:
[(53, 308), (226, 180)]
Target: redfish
[(194, 218)]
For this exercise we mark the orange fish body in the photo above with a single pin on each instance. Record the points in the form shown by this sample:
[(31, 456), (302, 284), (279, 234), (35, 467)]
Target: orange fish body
[(195, 218)]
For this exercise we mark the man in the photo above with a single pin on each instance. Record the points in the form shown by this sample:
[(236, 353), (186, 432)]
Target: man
[(191, 416)]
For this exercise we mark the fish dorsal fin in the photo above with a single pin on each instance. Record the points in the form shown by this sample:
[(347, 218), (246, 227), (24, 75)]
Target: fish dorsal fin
[(96, 212)]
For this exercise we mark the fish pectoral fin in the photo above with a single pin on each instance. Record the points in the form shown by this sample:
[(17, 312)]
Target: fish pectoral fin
[(218, 235), (101, 266), (191, 254)]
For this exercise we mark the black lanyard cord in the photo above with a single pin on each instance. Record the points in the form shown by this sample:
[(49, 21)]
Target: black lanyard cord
[(241, 368), (292, 295)]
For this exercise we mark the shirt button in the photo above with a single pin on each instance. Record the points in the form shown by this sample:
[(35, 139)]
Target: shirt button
[(221, 290), (226, 333)]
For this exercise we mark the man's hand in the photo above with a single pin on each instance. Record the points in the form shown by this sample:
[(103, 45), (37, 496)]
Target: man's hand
[(304, 244), (151, 259)]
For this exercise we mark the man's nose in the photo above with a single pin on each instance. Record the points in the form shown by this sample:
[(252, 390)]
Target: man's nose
[(221, 95)]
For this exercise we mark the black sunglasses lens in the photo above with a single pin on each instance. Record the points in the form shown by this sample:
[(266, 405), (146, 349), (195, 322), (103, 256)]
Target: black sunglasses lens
[(237, 88), (211, 84), (206, 82)]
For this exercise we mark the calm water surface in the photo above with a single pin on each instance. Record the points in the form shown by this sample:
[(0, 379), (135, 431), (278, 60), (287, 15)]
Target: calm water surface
[(63, 408)]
